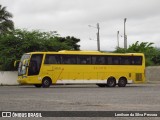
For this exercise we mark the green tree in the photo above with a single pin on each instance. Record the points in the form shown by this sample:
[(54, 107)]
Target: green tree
[(18, 42), (144, 47), (6, 24), (156, 58), (70, 41)]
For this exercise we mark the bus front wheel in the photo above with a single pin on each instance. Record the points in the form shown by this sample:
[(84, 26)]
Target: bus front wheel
[(46, 82)]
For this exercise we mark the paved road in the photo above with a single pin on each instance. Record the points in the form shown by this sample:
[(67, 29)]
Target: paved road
[(142, 97)]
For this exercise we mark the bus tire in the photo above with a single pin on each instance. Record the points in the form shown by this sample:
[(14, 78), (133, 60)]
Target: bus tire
[(38, 85), (46, 82), (122, 82), (111, 82)]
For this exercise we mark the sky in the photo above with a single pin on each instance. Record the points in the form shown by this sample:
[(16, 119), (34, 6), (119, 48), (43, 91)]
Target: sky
[(73, 17)]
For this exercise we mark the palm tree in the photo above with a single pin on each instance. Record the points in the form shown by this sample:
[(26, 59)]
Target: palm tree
[(5, 23), (142, 47)]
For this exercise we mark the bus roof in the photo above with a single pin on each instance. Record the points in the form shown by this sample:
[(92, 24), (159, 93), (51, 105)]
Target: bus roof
[(85, 53)]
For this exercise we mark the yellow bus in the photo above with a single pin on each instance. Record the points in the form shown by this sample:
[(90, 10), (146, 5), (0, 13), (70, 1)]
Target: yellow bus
[(43, 69)]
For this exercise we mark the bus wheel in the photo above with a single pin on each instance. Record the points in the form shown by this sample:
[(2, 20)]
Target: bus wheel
[(46, 82), (111, 82), (38, 85), (122, 82), (101, 85)]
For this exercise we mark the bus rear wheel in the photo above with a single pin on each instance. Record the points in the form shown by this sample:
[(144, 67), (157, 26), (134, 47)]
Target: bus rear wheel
[(122, 82), (46, 82), (111, 82)]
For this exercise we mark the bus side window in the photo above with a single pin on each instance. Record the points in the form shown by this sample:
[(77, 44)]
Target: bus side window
[(109, 60), (84, 59), (73, 59), (125, 60), (137, 60), (52, 59), (94, 59), (100, 60), (69, 59), (58, 59), (115, 60)]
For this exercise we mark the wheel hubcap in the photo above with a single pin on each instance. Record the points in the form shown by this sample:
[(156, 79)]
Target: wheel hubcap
[(46, 82)]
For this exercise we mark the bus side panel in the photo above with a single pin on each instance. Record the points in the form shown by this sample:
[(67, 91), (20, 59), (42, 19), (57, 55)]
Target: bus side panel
[(79, 72)]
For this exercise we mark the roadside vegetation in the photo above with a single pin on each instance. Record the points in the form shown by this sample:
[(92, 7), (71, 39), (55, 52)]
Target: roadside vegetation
[(152, 54)]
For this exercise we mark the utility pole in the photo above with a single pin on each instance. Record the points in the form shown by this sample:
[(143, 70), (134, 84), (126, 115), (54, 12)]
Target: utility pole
[(117, 39), (98, 36), (125, 36)]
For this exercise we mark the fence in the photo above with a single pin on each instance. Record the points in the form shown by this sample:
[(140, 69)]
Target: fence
[(153, 73), (8, 78)]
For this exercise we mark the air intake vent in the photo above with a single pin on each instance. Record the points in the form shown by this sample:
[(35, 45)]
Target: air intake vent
[(138, 76)]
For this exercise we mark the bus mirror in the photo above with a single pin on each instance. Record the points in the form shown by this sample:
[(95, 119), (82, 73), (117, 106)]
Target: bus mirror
[(15, 62)]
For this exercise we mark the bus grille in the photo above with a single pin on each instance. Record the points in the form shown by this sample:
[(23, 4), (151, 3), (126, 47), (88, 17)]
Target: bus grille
[(138, 76)]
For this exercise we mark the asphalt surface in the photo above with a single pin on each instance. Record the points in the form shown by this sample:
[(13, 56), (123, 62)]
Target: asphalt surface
[(135, 97)]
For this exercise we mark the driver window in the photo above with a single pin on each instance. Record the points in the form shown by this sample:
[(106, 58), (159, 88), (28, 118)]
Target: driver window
[(35, 64)]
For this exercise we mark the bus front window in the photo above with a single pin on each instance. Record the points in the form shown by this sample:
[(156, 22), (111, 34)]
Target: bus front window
[(22, 67)]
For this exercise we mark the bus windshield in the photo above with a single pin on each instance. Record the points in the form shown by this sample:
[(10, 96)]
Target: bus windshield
[(22, 68)]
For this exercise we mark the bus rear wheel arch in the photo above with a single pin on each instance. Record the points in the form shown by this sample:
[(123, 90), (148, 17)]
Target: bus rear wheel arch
[(111, 82), (46, 82), (122, 82)]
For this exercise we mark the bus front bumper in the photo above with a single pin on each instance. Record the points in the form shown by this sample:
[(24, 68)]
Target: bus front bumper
[(23, 80)]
